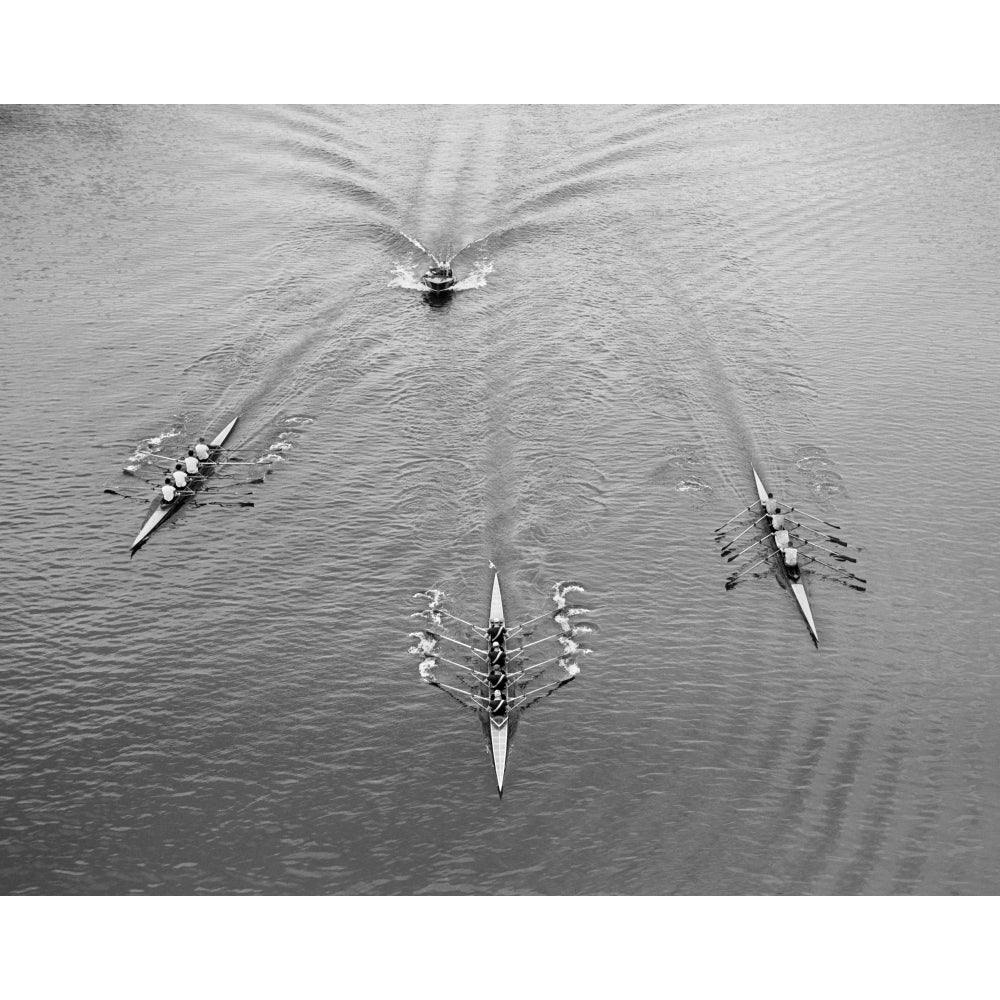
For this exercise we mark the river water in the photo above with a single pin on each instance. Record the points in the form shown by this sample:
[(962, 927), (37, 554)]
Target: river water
[(652, 299)]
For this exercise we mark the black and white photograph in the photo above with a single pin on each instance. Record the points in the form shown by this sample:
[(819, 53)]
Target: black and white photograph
[(451, 494)]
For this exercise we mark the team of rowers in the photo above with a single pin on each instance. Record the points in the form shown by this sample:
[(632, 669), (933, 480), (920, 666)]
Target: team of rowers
[(782, 539), (497, 677), (176, 482)]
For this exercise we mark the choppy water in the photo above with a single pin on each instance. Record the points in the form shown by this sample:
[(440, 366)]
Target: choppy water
[(651, 299)]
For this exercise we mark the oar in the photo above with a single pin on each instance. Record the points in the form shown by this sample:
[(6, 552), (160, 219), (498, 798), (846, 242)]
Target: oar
[(748, 548), (515, 677), (219, 503), (843, 582), (731, 582), (544, 663), (733, 518), (462, 620), (745, 530), (528, 645), (837, 569), (229, 486), (530, 621), (147, 499), (448, 689), (813, 517), (459, 666), (824, 534), (464, 645), (514, 702), (836, 555), (127, 496)]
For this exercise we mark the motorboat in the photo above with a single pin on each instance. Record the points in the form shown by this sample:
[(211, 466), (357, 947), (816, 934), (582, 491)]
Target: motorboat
[(439, 279)]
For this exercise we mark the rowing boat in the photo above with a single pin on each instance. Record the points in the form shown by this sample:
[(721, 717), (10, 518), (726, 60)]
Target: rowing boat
[(797, 587), (495, 683), (160, 511), (498, 724)]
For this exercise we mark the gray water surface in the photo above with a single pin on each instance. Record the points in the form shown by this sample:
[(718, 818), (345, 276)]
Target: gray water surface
[(652, 298)]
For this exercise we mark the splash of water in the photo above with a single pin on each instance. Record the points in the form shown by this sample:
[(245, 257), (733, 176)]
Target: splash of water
[(569, 645), (435, 599), (686, 485), (155, 442), (148, 450), (434, 617), (420, 247), (564, 587), (476, 278), (563, 614), (426, 644), (434, 596), (406, 277)]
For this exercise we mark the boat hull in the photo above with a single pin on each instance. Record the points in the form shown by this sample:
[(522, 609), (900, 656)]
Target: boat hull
[(439, 280), (498, 744), (796, 586), (160, 512), (439, 287), (498, 727)]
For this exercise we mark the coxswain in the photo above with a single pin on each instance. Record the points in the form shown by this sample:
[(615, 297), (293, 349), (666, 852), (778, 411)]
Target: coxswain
[(791, 557), (191, 463), (168, 490), (770, 504), (180, 477), (201, 450)]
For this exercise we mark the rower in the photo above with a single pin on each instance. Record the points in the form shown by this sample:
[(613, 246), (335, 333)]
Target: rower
[(791, 556), (770, 504), (497, 655), (498, 703), (777, 519), (496, 632), (497, 678), (201, 450), (180, 477), (781, 539), (191, 463), (168, 490)]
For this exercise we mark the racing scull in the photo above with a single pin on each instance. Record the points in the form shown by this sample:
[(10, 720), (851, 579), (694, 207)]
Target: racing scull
[(797, 587), (161, 511), (499, 720)]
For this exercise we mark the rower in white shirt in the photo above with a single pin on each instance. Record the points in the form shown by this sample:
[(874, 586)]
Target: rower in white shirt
[(180, 477), (191, 463), (168, 490), (201, 450), (791, 557)]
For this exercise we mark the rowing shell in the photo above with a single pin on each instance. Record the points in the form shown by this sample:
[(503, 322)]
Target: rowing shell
[(160, 511), (498, 726), (797, 587)]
